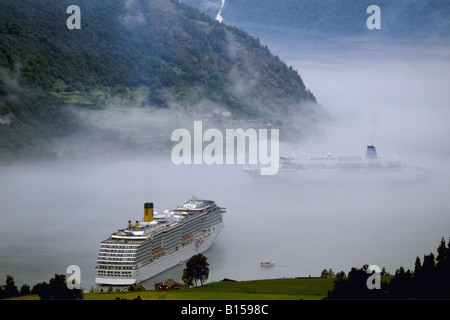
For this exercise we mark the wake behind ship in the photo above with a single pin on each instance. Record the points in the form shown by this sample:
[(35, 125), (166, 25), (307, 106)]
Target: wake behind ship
[(158, 242)]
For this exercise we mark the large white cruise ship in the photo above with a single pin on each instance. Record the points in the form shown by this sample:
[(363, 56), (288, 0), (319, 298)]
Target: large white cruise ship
[(330, 167), (158, 242)]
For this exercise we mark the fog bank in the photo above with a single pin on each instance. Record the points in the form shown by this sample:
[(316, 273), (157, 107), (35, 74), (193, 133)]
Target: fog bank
[(56, 213)]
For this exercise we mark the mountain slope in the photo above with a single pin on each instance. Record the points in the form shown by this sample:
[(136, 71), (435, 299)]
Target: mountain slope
[(415, 20), (158, 44), (184, 59)]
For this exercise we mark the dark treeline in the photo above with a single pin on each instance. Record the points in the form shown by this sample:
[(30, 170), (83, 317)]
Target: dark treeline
[(430, 279), (55, 289)]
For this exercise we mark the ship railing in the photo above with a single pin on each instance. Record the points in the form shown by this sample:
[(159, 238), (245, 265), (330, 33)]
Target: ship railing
[(121, 241), (189, 241), (109, 267)]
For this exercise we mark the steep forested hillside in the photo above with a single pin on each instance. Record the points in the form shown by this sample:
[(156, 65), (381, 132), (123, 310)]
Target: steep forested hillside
[(180, 56)]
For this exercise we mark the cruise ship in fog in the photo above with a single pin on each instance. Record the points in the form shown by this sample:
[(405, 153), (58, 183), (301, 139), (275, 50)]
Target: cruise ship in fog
[(158, 242), (346, 166)]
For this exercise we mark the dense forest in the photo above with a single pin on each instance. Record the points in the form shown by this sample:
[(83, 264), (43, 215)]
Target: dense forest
[(430, 279), (406, 20), (55, 289), (180, 55)]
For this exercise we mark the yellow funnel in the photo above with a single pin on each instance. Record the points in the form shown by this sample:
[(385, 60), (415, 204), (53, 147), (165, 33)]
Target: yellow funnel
[(148, 212)]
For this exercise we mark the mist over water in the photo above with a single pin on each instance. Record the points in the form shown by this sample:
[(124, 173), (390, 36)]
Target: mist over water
[(55, 213)]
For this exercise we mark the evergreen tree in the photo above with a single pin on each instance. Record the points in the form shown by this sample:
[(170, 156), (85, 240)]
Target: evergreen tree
[(442, 252), (426, 281), (354, 286), (57, 289), (443, 270), (324, 273), (327, 273), (400, 285), (40, 289), (430, 280), (331, 273), (10, 289), (25, 290), (417, 266)]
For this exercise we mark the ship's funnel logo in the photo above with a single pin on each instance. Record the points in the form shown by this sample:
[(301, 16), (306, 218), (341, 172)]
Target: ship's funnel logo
[(371, 152)]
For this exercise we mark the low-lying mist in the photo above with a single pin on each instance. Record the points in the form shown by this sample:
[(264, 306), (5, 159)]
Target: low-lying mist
[(55, 213)]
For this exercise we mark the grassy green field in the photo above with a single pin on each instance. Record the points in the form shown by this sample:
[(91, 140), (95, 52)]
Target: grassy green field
[(276, 289), (271, 289)]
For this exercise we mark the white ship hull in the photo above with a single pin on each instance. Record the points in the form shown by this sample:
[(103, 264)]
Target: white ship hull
[(135, 254), (331, 168), (174, 259), (165, 262), (357, 174)]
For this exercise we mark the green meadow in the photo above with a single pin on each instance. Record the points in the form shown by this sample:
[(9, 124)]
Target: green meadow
[(273, 289), (268, 289)]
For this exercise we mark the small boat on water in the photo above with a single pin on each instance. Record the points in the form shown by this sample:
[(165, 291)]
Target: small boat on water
[(267, 263)]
